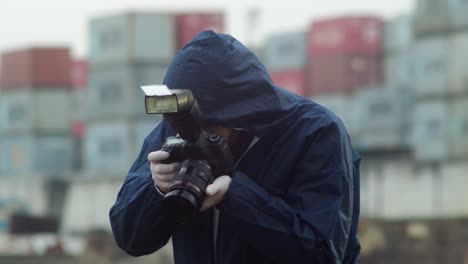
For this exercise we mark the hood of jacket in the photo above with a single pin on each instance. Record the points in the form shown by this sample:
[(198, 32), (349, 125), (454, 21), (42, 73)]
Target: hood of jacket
[(231, 85)]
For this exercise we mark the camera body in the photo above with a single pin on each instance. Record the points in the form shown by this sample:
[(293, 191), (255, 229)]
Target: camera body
[(203, 155)]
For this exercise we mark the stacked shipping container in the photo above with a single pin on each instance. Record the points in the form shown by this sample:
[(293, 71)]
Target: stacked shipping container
[(399, 53), (345, 54), (434, 17), (126, 52), (440, 81), (36, 111), (79, 75)]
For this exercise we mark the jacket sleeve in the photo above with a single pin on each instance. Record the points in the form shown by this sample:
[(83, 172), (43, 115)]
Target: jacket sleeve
[(312, 222), (138, 222)]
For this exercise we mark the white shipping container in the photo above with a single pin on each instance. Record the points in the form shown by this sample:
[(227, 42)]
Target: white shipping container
[(87, 204), (431, 67), (453, 189), (42, 111), (115, 93), (422, 191), (112, 147), (383, 117), (458, 139), (25, 193), (432, 17), (398, 35), (286, 51), (132, 37), (109, 147), (459, 9), (24, 154), (431, 130), (457, 59), (399, 70)]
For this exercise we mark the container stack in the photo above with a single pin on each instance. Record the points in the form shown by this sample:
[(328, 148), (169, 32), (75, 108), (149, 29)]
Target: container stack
[(383, 115), (399, 53), (35, 112), (440, 81), (286, 60), (382, 121), (79, 76), (345, 54), (126, 51)]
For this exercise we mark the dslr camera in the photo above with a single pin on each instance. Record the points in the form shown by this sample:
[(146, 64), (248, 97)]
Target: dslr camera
[(203, 155)]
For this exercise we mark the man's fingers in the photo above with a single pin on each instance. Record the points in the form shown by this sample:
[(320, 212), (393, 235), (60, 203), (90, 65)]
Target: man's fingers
[(165, 177), (158, 156), (166, 168)]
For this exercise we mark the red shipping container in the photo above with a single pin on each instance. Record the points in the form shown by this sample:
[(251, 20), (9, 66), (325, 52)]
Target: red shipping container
[(346, 35), (344, 74), (293, 80), (79, 74), (36, 67), (189, 25)]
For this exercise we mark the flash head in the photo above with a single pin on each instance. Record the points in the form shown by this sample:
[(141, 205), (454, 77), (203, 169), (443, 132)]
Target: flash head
[(159, 99)]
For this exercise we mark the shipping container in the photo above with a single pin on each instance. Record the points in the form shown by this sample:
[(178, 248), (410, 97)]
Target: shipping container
[(431, 130), (398, 35), (190, 24), (79, 74), (24, 193), (383, 118), (114, 92), (381, 180), (432, 17), (458, 139), (399, 70), (293, 80), (86, 201), (36, 68), (459, 9), (423, 190), (286, 51), (453, 188), (431, 67), (36, 153), (42, 111), (132, 37), (109, 147), (343, 74), (457, 60), (346, 35)]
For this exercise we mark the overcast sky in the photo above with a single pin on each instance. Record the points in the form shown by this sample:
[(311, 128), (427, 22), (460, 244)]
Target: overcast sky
[(25, 23)]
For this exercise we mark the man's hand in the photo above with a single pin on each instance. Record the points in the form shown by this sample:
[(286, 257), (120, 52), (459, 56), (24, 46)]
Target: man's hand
[(162, 173), (215, 192)]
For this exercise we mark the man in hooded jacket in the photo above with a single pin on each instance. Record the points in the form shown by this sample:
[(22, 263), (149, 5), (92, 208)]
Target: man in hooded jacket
[(294, 196)]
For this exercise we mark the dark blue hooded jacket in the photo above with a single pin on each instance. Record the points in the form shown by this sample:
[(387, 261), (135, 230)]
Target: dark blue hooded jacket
[(294, 197)]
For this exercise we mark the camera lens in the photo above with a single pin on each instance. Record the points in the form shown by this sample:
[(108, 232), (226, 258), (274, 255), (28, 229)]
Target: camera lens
[(187, 190)]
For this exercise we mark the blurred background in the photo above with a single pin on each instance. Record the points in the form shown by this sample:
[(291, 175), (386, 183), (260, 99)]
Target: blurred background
[(72, 117)]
